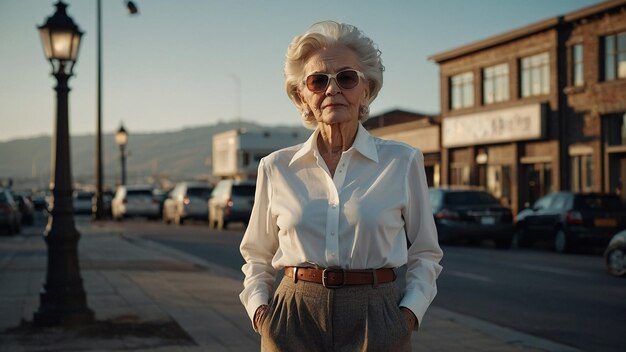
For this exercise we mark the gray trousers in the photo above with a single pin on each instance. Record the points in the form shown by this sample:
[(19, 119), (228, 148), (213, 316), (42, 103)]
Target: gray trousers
[(306, 316)]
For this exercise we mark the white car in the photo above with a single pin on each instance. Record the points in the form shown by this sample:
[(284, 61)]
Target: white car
[(188, 200), (231, 201), (135, 201)]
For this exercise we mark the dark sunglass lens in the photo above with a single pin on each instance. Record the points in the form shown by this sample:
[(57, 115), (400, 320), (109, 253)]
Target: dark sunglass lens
[(316, 82), (348, 79)]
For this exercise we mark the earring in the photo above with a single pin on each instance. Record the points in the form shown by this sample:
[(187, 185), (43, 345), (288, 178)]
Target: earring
[(306, 114), (364, 110)]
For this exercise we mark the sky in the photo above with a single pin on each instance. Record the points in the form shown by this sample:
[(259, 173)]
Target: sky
[(185, 63)]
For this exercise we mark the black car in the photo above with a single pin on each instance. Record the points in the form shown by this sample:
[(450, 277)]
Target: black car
[(27, 208), (10, 216), (471, 215), (570, 219)]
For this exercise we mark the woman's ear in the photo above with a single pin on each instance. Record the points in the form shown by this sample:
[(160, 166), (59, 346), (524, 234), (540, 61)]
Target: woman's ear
[(371, 88), (301, 101), (366, 94)]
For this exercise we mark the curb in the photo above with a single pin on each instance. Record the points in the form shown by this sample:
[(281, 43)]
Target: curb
[(507, 335), (500, 333)]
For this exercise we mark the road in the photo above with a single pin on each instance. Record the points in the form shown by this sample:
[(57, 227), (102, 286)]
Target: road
[(564, 298)]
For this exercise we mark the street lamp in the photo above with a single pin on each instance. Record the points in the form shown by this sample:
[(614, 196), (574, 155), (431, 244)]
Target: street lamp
[(121, 138), (99, 213), (63, 300)]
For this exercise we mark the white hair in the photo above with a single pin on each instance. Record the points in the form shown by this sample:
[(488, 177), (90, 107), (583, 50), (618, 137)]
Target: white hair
[(324, 35)]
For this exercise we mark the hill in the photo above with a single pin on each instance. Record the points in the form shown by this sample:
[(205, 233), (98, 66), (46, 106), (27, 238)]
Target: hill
[(176, 155)]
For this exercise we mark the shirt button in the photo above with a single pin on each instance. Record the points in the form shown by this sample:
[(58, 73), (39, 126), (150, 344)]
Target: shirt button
[(332, 234)]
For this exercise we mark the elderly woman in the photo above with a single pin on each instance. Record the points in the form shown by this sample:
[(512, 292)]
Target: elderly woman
[(338, 213)]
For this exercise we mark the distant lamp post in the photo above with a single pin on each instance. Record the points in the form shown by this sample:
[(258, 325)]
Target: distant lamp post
[(121, 138), (98, 211), (63, 300)]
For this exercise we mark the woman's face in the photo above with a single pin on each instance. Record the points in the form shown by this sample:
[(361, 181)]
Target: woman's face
[(334, 105)]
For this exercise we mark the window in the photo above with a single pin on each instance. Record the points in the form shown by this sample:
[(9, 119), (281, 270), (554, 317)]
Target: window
[(499, 182), (462, 90), (496, 84), (544, 203), (582, 173), (615, 131), (560, 201), (459, 175), (539, 178), (614, 49), (535, 75), (577, 65)]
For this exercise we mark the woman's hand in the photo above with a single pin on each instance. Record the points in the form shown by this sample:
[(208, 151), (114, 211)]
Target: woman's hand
[(259, 315), (411, 320)]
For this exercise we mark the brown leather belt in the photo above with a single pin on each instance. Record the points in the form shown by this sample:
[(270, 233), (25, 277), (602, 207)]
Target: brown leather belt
[(334, 278)]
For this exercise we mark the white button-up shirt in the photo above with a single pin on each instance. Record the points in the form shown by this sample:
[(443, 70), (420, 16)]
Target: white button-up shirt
[(359, 219)]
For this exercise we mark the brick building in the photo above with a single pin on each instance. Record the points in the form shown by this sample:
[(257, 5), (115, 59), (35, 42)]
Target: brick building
[(538, 109), (418, 130)]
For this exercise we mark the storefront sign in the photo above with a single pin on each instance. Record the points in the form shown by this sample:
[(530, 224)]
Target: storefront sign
[(506, 125)]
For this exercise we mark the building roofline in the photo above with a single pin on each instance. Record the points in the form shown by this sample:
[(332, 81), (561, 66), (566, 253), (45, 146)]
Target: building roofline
[(594, 9), (525, 31), (496, 40), (418, 114)]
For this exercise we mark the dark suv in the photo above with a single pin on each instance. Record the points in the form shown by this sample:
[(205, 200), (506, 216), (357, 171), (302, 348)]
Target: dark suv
[(465, 214), (570, 219)]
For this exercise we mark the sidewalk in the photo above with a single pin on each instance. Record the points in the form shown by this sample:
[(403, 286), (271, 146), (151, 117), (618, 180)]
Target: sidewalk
[(148, 297)]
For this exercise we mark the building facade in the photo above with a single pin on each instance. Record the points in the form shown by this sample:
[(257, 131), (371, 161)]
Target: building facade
[(538, 109), (421, 131)]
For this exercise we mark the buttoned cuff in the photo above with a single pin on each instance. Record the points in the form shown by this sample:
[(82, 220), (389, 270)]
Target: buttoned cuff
[(253, 304), (417, 303)]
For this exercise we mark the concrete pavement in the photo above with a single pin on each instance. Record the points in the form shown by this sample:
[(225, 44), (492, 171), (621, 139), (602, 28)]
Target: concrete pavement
[(148, 297)]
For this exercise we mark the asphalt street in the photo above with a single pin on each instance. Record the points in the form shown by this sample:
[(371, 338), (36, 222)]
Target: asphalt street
[(564, 298)]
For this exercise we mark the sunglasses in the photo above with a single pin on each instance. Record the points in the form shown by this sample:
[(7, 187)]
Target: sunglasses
[(346, 79)]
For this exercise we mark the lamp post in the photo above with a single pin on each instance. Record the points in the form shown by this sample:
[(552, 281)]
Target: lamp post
[(99, 213), (63, 300), (121, 138)]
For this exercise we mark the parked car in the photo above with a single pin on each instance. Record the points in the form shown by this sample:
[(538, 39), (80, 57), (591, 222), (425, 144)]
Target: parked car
[(188, 200), (135, 201), (571, 219), (470, 214), (82, 202), (39, 201), (231, 201), (615, 255), (161, 195), (10, 216), (107, 199), (26, 207)]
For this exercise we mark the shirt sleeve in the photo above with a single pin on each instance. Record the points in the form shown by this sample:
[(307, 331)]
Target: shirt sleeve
[(424, 252), (258, 246)]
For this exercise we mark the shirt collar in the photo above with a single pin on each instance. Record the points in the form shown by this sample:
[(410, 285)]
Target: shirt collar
[(363, 143)]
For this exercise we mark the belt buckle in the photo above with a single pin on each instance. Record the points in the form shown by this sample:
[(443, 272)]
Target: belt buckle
[(325, 277)]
